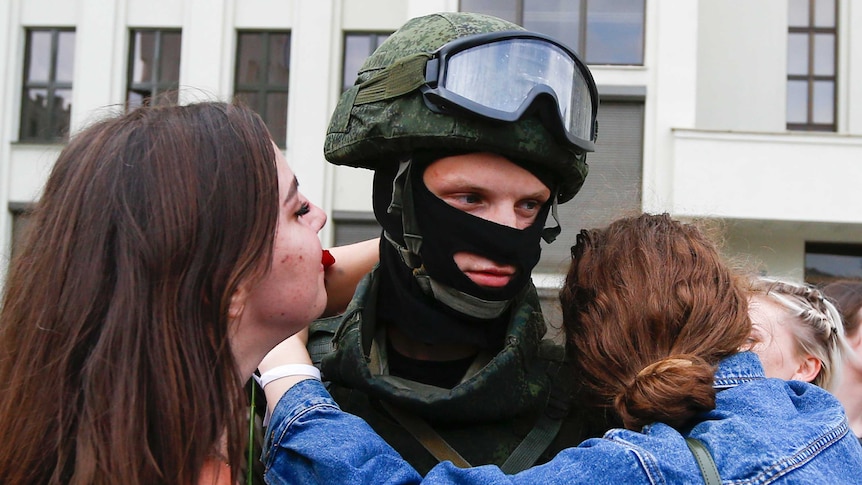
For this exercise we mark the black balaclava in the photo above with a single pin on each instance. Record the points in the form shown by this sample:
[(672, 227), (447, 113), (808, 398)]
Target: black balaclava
[(428, 297)]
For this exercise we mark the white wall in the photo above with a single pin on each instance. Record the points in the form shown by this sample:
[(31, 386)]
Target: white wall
[(799, 177), (742, 65)]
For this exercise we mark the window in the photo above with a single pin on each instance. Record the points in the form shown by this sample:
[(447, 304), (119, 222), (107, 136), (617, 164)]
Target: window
[(262, 74), (354, 226), (154, 66), (811, 65), (46, 102), (612, 188), (357, 47), (827, 262), (600, 31), (20, 224)]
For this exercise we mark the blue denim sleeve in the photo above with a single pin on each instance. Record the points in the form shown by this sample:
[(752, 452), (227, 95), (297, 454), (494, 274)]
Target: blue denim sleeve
[(310, 440)]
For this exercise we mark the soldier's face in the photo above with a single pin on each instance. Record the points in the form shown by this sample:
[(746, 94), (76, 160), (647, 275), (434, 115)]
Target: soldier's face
[(489, 186)]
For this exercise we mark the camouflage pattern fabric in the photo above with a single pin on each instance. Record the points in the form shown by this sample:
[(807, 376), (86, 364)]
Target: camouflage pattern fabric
[(483, 418), (381, 133)]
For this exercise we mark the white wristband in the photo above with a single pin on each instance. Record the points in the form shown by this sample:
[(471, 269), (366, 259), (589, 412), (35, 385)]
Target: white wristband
[(287, 371)]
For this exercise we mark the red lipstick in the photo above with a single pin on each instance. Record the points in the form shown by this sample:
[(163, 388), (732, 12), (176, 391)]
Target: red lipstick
[(327, 259)]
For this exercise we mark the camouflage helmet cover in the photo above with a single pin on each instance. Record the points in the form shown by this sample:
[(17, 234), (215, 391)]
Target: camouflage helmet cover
[(381, 133)]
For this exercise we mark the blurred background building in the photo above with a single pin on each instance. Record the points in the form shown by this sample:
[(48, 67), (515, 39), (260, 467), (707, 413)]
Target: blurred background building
[(745, 112)]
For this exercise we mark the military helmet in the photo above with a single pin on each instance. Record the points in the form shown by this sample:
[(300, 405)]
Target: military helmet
[(375, 125)]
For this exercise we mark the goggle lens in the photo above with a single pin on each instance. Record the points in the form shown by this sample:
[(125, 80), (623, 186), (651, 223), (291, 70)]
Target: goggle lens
[(501, 80)]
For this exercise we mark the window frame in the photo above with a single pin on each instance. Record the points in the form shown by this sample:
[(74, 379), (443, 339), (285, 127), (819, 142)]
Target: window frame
[(810, 78), (263, 88), (376, 35), (51, 86), (583, 23), (155, 85), (829, 248)]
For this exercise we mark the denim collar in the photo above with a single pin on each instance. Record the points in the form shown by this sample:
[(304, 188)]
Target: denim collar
[(737, 369)]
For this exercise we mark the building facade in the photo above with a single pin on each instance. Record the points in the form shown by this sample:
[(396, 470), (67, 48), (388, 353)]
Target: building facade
[(748, 113)]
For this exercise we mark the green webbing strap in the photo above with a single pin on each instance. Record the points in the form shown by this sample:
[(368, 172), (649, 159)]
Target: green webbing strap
[(401, 77), (426, 436), (536, 441), (548, 425), (704, 461)]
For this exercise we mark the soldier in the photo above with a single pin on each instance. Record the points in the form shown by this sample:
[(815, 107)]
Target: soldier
[(476, 129)]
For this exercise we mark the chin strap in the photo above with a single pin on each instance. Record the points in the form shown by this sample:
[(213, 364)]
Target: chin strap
[(459, 301), (549, 234)]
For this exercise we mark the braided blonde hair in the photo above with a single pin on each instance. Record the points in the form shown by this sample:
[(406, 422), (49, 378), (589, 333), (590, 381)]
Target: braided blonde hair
[(819, 333)]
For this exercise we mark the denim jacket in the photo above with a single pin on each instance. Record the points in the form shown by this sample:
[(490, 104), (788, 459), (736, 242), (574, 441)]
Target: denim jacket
[(761, 431)]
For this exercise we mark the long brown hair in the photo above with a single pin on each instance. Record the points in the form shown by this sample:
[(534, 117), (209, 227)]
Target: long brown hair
[(649, 308), (115, 365)]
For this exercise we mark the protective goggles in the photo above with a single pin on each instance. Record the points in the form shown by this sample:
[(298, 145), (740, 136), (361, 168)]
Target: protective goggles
[(503, 76)]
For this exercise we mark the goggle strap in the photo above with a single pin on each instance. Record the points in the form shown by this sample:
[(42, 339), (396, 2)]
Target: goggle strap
[(458, 300), (402, 77), (412, 234), (549, 234)]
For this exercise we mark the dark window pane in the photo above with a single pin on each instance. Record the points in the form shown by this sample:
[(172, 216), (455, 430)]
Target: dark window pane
[(21, 223), (34, 114), (505, 9), (142, 59), (169, 63), (279, 59), (826, 262), (356, 48), (40, 56), (249, 65), (65, 56), (824, 54), (797, 54), (797, 102), (276, 117), (615, 32), (824, 102), (824, 13), (136, 99), (798, 13), (559, 19), (249, 98), (62, 110)]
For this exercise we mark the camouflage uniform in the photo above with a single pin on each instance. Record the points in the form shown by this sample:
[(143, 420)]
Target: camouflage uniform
[(484, 418)]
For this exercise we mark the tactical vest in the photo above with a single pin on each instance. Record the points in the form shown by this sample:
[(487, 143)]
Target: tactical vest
[(517, 399)]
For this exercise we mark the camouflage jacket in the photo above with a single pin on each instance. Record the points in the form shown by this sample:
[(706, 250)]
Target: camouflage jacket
[(484, 418)]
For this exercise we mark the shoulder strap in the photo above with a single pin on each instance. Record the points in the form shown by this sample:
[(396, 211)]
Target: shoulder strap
[(704, 461), (548, 425), (427, 437), (532, 446)]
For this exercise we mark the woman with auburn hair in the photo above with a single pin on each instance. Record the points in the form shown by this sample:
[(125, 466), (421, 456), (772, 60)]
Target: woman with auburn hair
[(657, 325), (847, 295), (170, 251)]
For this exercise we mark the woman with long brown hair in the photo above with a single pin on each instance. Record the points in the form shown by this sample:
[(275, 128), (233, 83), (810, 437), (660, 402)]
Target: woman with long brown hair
[(169, 252), (658, 329)]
